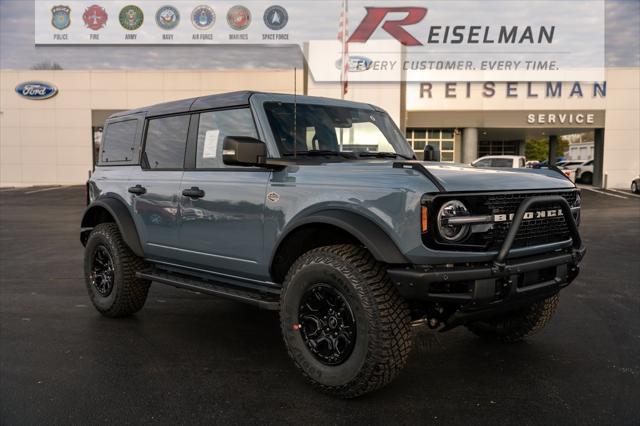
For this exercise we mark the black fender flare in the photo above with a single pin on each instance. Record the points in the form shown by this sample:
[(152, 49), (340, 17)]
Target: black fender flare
[(374, 238), (121, 215)]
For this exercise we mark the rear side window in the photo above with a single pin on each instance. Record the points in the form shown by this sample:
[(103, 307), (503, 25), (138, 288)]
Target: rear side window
[(119, 142), (165, 142), (502, 162)]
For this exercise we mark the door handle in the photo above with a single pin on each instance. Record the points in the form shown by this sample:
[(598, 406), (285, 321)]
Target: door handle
[(138, 190), (193, 192)]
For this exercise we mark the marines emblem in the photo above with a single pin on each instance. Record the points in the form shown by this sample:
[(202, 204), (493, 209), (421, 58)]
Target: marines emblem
[(131, 17), (239, 18), (60, 17)]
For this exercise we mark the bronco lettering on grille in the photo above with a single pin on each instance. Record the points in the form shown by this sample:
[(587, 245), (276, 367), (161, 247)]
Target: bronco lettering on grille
[(541, 214)]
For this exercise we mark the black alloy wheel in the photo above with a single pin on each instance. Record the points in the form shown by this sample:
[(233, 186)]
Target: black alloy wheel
[(102, 274), (327, 324)]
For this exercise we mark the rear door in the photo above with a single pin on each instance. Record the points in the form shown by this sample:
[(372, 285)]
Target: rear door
[(155, 186), (222, 220)]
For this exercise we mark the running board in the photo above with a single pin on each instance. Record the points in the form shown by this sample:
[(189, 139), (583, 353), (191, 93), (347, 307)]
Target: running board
[(269, 298)]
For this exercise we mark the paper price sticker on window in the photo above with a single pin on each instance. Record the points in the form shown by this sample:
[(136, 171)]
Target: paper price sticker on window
[(210, 147)]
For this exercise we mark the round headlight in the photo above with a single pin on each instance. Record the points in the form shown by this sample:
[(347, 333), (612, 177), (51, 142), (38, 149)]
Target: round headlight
[(451, 231)]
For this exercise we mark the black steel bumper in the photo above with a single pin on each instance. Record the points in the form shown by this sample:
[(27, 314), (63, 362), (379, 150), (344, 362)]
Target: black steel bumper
[(482, 290)]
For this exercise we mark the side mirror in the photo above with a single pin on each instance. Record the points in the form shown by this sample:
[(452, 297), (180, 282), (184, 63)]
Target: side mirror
[(243, 151), (431, 154)]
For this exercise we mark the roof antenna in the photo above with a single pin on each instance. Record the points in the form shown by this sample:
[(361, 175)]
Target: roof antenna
[(295, 112)]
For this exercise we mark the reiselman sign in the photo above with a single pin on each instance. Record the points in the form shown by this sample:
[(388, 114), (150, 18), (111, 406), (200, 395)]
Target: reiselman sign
[(463, 40)]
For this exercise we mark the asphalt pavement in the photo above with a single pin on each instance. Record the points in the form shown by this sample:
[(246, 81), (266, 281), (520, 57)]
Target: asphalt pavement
[(188, 358)]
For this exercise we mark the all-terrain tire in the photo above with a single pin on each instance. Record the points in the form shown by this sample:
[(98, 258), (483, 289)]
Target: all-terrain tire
[(517, 325), (382, 317), (128, 293)]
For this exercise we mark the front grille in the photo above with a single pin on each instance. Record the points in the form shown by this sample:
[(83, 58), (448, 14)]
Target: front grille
[(532, 232)]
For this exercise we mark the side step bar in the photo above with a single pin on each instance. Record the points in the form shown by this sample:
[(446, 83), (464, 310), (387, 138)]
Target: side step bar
[(267, 298)]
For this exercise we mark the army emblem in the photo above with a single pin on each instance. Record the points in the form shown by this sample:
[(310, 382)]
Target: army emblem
[(239, 18), (61, 17), (95, 17), (276, 17), (131, 17), (203, 17), (167, 17)]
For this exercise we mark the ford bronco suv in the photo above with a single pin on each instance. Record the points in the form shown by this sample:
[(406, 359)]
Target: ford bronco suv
[(318, 208)]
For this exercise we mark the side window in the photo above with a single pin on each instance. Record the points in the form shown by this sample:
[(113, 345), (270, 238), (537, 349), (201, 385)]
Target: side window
[(502, 162), (214, 127), (483, 163), (166, 141), (119, 142)]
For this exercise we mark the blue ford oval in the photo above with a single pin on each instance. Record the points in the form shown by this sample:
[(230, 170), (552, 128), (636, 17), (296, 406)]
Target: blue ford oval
[(356, 63), (36, 90)]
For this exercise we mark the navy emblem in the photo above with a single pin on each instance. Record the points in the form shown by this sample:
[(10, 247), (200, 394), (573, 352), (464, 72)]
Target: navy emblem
[(239, 18), (167, 17), (36, 90), (131, 17), (203, 17), (276, 17), (61, 17)]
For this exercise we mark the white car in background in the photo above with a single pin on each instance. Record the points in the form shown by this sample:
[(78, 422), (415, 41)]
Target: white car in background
[(501, 161), (584, 172)]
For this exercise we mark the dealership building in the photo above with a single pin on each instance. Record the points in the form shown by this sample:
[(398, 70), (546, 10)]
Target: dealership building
[(52, 141)]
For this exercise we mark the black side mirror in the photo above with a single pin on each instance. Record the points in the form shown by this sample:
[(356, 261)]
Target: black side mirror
[(243, 151), (431, 154)]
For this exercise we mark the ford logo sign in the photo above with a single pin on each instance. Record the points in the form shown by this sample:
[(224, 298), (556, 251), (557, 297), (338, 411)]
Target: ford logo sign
[(356, 63), (36, 90)]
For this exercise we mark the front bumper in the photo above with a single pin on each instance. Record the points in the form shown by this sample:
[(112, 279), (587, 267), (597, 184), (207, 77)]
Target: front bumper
[(484, 290)]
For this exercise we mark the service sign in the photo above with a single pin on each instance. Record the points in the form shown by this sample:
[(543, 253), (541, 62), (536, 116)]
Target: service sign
[(462, 40), (36, 90)]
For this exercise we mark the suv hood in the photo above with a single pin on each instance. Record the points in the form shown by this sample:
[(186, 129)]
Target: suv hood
[(461, 177)]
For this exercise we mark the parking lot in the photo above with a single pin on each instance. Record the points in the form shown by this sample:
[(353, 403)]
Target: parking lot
[(189, 358)]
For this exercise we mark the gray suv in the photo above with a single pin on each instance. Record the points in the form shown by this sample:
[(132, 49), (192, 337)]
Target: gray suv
[(319, 209)]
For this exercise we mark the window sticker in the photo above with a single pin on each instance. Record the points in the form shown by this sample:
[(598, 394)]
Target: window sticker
[(210, 143)]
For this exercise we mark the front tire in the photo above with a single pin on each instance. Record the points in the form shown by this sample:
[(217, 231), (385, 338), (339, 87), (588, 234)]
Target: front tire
[(343, 322), (634, 188), (515, 326), (110, 273)]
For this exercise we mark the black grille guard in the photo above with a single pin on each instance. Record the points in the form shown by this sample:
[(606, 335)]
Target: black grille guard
[(525, 205)]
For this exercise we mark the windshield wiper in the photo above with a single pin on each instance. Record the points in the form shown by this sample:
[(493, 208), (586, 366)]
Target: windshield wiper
[(383, 155), (320, 153)]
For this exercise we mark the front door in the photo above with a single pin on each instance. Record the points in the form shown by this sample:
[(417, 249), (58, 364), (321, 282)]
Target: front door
[(222, 207)]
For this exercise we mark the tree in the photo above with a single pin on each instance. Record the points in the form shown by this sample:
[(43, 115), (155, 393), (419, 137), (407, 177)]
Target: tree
[(47, 65)]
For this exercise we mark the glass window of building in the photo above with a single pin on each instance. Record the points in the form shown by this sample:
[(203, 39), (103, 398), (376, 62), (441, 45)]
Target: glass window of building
[(440, 139)]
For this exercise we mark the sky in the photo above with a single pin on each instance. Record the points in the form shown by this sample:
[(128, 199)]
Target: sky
[(17, 49)]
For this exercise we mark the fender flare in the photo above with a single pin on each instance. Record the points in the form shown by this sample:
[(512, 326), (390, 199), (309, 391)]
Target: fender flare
[(120, 213), (374, 238)]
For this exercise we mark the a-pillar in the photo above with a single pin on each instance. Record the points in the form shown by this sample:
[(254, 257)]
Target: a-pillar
[(553, 147)]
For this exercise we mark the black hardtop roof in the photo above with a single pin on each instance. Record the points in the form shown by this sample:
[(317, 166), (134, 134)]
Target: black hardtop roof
[(223, 100)]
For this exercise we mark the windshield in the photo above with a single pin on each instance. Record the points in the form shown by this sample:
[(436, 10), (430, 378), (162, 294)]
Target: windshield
[(331, 130)]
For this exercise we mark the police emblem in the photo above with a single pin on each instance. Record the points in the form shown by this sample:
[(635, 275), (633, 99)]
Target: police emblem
[(167, 17), (61, 17), (131, 17), (239, 18), (276, 17), (95, 17), (203, 17)]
